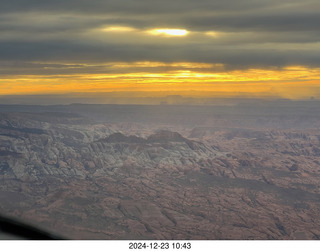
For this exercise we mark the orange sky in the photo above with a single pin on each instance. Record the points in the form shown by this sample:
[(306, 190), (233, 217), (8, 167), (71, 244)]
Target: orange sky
[(189, 79), (197, 49)]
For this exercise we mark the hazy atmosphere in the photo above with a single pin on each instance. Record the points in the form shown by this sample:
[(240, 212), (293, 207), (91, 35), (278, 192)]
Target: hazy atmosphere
[(157, 48), (160, 120)]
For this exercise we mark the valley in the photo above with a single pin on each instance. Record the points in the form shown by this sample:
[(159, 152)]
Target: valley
[(245, 171)]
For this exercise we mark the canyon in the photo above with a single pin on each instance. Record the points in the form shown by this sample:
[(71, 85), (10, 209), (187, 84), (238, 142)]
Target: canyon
[(239, 172)]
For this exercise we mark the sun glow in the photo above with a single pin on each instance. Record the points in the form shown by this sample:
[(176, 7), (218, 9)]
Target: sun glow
[(212, 34), (169, 32), (118, 29), (289, 82)]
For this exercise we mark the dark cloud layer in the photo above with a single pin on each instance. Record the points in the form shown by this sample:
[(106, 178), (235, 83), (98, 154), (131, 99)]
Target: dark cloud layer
[(252, 22), (249, 32), (133, 6)]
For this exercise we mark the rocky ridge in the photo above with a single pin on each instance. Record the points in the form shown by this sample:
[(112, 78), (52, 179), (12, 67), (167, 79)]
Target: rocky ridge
[(89, 180)]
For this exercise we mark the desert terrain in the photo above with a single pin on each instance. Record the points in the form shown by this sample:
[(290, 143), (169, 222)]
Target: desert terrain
[(239, 171)]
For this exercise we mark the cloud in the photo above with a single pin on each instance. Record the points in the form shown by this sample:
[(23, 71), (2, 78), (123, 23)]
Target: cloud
[(276, 22), (138, 6), (249, 33)]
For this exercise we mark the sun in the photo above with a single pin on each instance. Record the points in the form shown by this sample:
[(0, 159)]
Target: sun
[(169, 32)]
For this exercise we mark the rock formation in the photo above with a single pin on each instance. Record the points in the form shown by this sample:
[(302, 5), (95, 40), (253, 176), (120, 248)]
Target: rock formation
[(93, 180)]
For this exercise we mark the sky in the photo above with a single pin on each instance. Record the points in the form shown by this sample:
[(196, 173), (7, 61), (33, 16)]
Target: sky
[(203, 48)]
